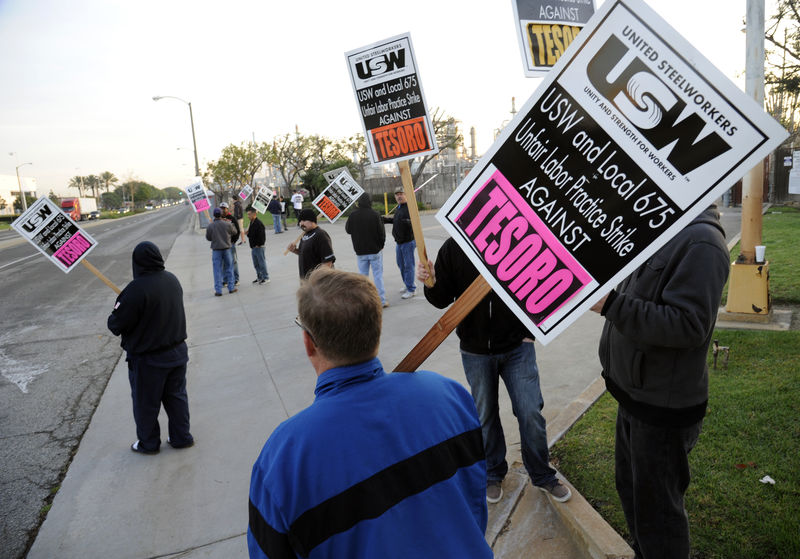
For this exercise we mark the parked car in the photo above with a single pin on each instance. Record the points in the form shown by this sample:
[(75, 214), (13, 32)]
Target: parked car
[(123, 210), (94, 215)]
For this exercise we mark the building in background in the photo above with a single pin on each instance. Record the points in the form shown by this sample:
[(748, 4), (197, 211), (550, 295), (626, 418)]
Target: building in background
[(9, 191)]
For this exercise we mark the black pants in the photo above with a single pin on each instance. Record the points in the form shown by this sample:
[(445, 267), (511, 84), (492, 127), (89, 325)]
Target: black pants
[(652, 475), (155, 380)]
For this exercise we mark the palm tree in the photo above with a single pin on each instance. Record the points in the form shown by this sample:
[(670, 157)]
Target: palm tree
[(108, 179), (93, 182), (77, 182)]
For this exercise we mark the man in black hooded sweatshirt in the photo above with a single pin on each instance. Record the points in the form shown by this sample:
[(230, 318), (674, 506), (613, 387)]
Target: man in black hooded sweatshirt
[(149, 316)]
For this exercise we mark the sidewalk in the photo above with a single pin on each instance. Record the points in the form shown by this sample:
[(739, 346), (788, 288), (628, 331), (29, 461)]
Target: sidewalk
[(247, 373)]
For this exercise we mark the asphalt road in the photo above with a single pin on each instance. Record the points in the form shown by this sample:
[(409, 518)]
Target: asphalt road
[(56, 357)]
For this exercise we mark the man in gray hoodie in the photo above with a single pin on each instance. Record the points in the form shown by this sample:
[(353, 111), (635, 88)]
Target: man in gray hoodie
[(653, 350), (219, 232)]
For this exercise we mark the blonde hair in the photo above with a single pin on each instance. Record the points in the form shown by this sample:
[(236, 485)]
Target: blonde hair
[(342, 312)]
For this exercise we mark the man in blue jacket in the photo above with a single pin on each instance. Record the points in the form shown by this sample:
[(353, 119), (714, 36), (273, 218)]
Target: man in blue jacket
[(149, 316), (653, 350), (380, 465)]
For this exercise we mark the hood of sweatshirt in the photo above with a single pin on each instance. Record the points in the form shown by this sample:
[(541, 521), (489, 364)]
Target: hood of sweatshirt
[(146, 259)]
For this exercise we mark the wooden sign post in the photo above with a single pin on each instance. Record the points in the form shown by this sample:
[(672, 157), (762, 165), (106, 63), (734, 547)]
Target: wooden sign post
[(101, 276), (413, 211)]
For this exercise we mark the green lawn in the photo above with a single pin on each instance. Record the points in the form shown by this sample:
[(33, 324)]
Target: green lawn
[(752, 429)]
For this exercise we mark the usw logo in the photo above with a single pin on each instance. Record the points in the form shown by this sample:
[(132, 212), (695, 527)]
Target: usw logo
[(378, 65), (653, 108)]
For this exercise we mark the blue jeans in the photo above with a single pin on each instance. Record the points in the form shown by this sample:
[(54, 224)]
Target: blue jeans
[(259, 262), (234, 263), (223, 268), (376, 261), (276, 222), (651, 466), (405, 261), (520, 374)]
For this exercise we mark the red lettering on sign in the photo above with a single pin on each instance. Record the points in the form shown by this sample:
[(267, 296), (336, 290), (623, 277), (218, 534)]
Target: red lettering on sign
[(400, 139)]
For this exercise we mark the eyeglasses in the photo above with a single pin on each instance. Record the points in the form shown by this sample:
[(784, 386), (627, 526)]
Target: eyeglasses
[(303, 328)]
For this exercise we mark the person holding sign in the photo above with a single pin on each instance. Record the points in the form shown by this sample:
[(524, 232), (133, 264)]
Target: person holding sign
[(149, 316), (495, 345), (379, 465), (219, 232), (274, 208), (405, 245), (653, 350), (257, 236), (369, 236), (315, 248)]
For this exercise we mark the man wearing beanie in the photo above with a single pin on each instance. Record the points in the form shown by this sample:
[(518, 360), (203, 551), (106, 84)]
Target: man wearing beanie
[(315, 248)]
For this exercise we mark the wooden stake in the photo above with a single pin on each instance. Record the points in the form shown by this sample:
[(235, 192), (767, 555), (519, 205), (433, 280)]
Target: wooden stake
[(413, 211), (100, 275), (473, 295)]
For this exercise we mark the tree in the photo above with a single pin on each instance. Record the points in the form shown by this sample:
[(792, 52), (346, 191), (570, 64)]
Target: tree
[(445, 128), (77, 182), (92, 182), (111, 200), (782, 79), (53, 197), (3, 203), (290, 155), (142, 191), (108, 178), (324, 155), (172, 193), (236, 167), (18, 203)]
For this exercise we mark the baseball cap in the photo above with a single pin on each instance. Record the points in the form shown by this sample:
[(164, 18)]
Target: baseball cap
[(223, 205), (307, 215), (217, 212)]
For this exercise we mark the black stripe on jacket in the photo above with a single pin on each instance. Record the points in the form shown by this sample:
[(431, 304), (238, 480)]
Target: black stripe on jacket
[(369, 498)]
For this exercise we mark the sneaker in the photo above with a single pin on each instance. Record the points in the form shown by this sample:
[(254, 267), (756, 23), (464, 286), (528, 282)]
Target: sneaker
[(258, 281), (237, 282), (264, 281), (178, 446), (408, 294), (224, 284), (136, 448), (494, 492), (217, 294), (403, 291), (234, 290), (385, 304), (557, 491)]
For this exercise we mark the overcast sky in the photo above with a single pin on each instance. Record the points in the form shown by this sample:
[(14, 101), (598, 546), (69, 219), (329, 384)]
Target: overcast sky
[(78, 77)]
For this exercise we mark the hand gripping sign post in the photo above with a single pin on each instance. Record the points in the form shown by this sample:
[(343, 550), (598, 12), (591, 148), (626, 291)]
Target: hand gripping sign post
[(394, 114), (340, 194), (55, 235), (545, 28), (630, 136)]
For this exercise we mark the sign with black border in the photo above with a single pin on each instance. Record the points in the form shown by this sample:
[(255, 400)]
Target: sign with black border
[(621, 146)]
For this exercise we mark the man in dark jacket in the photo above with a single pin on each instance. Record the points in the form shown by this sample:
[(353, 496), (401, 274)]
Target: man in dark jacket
[(274, 208), (405, 245), (653, 351), (494, 345), (257, 236), (368, 235), (149, 316), (315, 248)]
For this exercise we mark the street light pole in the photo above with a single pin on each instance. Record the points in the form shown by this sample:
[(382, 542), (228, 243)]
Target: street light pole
[(21, 190), (191, 120)]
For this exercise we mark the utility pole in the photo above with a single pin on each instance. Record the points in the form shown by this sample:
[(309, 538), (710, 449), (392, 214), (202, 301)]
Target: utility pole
[(749, 280)]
